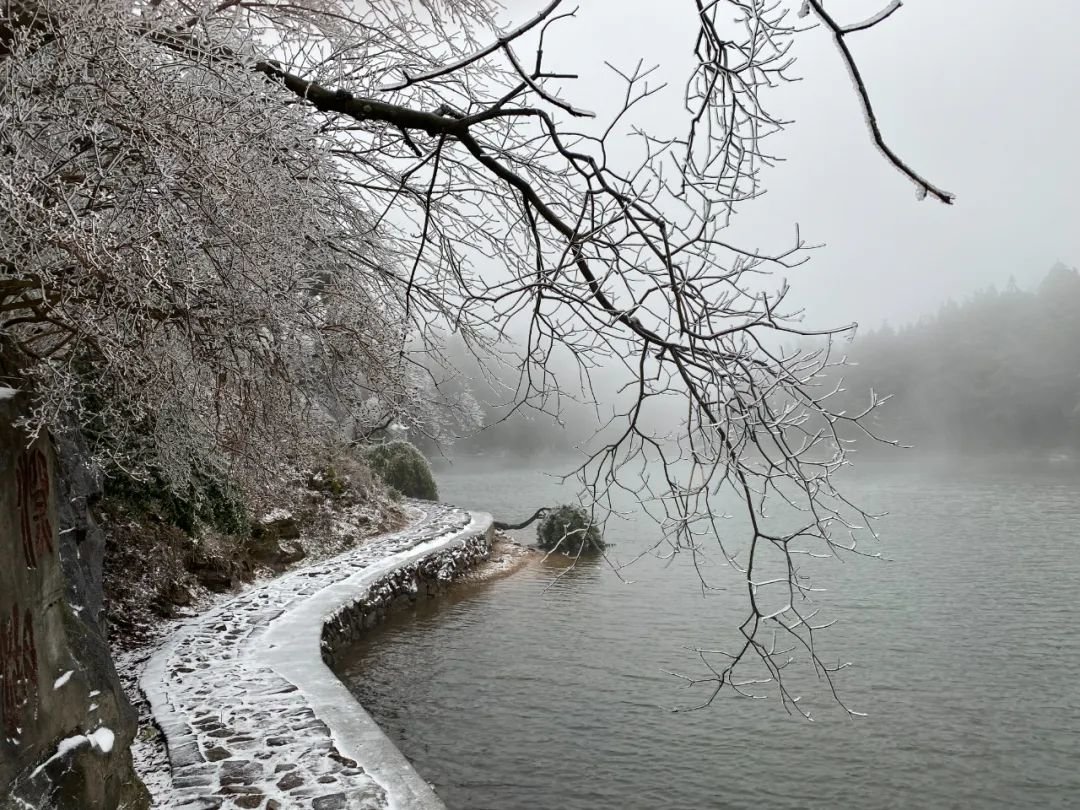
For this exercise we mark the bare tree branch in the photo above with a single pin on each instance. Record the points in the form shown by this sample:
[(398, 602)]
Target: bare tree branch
[(839, 32), (223, 233)]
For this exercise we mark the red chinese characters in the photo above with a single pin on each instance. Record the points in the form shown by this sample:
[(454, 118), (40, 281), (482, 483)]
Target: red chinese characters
[(32, 497), (18, 668)]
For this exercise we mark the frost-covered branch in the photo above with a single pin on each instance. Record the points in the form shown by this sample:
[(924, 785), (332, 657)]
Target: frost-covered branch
[(839, 33), (231, 229)]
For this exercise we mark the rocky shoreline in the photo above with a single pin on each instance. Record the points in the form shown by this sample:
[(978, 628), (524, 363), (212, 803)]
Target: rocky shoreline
[(252, 715)]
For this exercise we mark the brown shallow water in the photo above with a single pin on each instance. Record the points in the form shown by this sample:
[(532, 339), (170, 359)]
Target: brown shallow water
[(549, 690)]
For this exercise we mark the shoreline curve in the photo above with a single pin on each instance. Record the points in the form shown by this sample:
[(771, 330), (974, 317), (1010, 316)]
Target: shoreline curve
[(252, 714)]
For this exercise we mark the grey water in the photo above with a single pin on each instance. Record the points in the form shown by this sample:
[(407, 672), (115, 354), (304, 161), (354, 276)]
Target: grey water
[(547, 689)]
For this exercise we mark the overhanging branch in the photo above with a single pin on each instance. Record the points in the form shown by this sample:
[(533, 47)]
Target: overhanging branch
[(839, 32)]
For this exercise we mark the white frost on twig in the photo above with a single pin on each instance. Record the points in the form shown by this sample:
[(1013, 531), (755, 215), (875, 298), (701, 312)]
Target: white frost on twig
[(870, 22)]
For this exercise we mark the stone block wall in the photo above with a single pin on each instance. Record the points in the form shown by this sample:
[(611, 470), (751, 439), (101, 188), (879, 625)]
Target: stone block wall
[(424, 578)]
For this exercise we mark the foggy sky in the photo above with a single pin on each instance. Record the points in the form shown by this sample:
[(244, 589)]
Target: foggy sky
[(980, 96)]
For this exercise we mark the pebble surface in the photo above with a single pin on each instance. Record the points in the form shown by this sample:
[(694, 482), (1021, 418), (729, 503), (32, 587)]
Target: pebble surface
[(241, 734)]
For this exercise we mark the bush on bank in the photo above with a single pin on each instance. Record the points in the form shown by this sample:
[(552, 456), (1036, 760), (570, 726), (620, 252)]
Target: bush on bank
[(401, 466)]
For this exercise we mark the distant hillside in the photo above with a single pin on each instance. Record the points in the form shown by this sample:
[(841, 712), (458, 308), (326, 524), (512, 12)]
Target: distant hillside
[(998, 373)]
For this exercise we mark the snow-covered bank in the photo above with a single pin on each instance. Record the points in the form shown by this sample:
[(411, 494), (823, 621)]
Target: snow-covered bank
[(253, 716)]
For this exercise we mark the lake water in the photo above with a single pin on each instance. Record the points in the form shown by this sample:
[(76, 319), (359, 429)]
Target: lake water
[(547, 690)]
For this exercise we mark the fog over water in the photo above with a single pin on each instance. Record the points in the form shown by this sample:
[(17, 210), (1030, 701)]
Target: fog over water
[(953, 100), (549, 691), (998, 374), (269, 270)]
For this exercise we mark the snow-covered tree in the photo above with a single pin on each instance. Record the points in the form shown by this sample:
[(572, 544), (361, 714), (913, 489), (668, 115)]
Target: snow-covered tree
[(226, 225)]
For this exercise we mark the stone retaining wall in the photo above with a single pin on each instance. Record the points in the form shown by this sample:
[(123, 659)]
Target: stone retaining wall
[(252, 714), (423, 579)]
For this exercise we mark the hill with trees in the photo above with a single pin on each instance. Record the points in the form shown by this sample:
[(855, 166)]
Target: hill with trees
[(998, 373)]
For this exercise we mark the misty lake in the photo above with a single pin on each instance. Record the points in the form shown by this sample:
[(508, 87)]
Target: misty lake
[(546, 692)]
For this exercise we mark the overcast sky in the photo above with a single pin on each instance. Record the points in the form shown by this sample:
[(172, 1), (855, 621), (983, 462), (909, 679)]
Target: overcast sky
[(981, 96)]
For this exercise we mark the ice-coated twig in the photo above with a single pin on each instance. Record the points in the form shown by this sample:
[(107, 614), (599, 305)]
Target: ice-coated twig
[(923, 185)]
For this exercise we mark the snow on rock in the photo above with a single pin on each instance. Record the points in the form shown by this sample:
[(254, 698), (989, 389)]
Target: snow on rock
[(63, 748), (103, 739), (63, 679), (252, 713), (276, 514)]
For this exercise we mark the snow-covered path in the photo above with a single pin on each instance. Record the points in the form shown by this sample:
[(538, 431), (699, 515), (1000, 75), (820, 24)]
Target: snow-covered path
[(252, 715)]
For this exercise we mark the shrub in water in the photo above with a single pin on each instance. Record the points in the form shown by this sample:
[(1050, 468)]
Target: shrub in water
[(569, 529), (401, 466)]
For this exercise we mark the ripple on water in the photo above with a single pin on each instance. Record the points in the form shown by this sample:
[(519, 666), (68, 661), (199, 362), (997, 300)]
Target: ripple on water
[(538, 692)]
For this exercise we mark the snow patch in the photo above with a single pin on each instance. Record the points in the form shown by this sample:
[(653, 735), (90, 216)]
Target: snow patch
[(63, 748), (7, 393), (103, 738), (63, 679), (291, 646)]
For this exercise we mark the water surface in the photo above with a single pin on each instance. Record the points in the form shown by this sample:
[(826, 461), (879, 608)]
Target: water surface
[(550, 690)]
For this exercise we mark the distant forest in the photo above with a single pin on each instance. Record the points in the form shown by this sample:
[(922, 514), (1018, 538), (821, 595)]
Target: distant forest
[(998, 373)]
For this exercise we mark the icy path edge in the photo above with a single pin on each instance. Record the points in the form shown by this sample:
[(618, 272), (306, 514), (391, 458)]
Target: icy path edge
[(252, 714), (293, 649)]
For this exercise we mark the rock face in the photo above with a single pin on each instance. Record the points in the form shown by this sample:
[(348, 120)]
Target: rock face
[(65, 725), (266, 536)]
